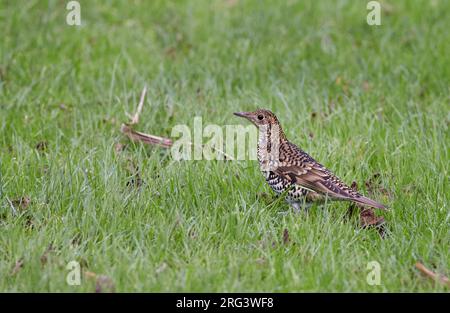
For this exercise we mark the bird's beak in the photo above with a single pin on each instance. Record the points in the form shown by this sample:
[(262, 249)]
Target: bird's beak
[(246, 115)]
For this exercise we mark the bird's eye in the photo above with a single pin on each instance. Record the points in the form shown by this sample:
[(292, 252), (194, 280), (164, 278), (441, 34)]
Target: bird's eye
[(260, 117)]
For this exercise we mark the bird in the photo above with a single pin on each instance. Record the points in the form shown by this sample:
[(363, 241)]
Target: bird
[(291, 171)]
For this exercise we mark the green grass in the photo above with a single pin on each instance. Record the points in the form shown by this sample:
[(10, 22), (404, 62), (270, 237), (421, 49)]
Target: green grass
[(374, 98)]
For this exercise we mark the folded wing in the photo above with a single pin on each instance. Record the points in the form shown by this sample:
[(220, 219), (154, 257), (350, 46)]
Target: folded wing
[(307, 173)]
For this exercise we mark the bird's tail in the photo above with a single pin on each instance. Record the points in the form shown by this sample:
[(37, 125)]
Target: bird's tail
[(369, 202)]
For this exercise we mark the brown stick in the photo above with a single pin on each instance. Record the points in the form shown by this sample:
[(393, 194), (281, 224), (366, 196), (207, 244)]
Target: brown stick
[(146, 138), (138, 136), (440, 278), (135, 118), (127, 129)]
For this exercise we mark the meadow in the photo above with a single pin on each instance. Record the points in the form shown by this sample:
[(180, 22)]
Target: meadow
[(369, 102)]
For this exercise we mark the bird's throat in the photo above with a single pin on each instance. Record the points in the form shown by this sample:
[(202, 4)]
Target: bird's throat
[(269, 139)]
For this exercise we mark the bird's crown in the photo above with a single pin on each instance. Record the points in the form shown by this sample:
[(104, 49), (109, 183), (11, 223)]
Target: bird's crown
[(259, 117)]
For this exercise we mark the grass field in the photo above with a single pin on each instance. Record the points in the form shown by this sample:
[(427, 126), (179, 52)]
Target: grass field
[(360, 99)]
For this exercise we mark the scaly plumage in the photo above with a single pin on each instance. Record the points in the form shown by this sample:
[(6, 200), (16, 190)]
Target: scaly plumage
[(289, 169)]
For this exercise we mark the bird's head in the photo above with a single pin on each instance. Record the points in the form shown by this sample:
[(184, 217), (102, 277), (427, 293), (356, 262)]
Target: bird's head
[(259, 117)]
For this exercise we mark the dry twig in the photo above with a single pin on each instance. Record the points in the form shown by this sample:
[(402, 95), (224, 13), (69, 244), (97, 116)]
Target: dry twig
[(135, 118), (17, 267), (436, 277), (145, 138), (128, 130)]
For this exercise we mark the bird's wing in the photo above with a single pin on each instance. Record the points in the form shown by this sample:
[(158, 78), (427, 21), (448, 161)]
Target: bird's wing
[(315, 178), (299, 168)]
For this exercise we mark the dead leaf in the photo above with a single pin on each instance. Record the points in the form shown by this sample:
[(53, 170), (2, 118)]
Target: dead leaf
[(367, 217), (42, 146), (170, 52), (44, 256), (104, 284), (436, 277), (286, 238), (21, 203), (344, 84), (17, 267)]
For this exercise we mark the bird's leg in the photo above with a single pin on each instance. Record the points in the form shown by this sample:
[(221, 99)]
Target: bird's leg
[(297, 207), (300, 205)]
